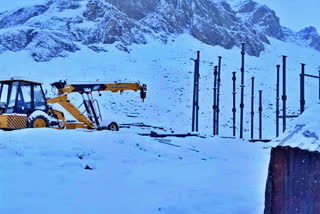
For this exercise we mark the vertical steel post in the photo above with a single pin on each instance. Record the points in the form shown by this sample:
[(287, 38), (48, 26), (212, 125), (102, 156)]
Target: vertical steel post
[(218, 94), (277, 101), (319, 84), (215, 73), (195, 104), (197, 91), (302, 99), (242, 90), (284, 93), (252, 107), (234, 110), (194, 97), (260, 114)]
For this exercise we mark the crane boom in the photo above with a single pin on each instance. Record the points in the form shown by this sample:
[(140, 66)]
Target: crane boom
[(64, 88)]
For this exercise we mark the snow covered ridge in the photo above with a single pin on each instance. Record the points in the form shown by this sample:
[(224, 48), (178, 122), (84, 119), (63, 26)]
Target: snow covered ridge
[(59, 27)]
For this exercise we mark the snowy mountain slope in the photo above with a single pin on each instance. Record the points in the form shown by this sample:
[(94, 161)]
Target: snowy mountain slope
[(139, 175), (168, 72), (95, 23), (64, 25)]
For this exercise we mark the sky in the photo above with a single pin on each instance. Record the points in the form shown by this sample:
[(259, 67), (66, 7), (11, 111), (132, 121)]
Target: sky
[(296, 14)]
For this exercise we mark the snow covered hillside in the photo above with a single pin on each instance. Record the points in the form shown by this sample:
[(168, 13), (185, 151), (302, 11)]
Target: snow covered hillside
[(129, 54), (168, 71)]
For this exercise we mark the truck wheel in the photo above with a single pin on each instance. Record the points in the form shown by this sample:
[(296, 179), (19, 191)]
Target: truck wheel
[(113, 127), (39, 121)]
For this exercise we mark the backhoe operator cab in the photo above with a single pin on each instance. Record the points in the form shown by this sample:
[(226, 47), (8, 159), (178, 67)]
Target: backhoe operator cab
[(18, 100), (21, 97)]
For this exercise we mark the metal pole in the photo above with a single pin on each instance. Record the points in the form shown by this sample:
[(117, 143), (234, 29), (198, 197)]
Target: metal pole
[(302, 99), (277, 101), (319, 84), (260, 114), (194, 97), (197, 91), (242, 90), (252, 107), (215, 100), (218, 94), (284, 95), (234, 110)]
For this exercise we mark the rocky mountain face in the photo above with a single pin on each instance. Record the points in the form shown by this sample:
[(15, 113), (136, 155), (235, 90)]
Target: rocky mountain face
[(310, 36), (263, 18), (60, 27)]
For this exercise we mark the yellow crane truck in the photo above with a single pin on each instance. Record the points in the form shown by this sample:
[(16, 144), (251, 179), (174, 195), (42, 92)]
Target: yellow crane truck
[(23, 105)]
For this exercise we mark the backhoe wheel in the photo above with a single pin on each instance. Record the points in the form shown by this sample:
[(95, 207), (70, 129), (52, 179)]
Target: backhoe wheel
[(113, 127), (39, 121)]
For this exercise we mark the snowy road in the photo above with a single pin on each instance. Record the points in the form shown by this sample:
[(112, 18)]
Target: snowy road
[(42, 171)]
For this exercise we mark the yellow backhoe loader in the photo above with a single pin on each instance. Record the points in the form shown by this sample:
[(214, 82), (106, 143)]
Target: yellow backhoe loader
[(23, 105)]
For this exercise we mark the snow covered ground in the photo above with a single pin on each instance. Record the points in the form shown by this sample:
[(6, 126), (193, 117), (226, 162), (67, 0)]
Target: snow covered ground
[(43, 171)]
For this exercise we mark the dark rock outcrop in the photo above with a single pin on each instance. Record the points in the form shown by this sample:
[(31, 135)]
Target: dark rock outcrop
[(311, 37)]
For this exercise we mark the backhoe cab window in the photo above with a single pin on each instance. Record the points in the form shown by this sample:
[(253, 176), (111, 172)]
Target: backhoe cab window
[(39, 100), (13, 96), (26, 94), (4, 95)]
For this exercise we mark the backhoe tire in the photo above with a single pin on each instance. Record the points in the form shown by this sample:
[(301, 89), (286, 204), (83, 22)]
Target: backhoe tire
[(113, 127), (39, 121)]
